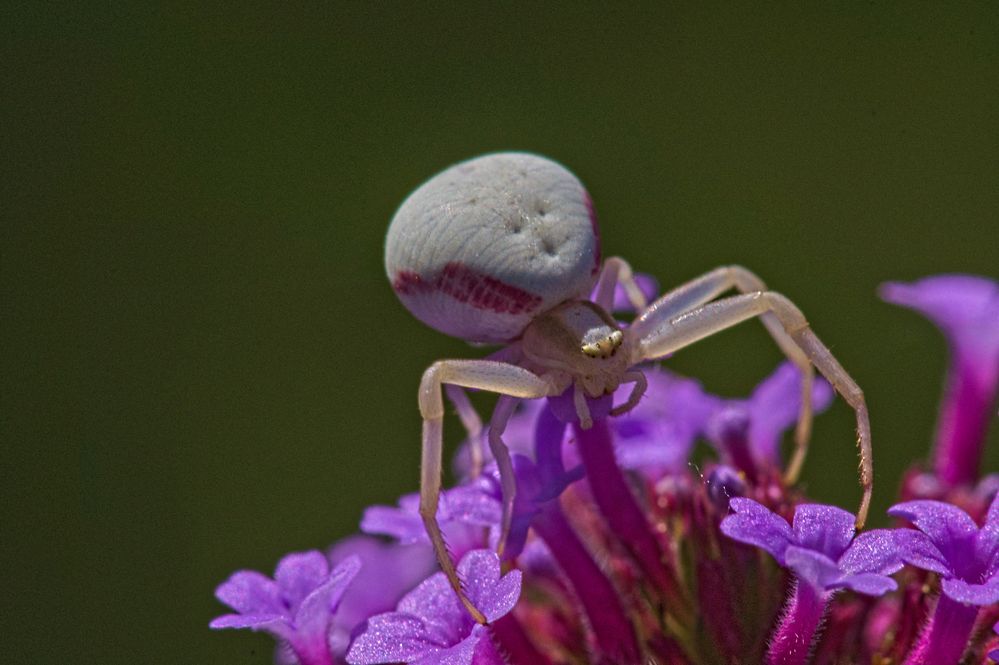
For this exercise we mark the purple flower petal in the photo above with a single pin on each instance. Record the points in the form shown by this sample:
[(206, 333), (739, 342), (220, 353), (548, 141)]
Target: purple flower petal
[(949, 527), (388, 571), (276, 624), (250, 592), (825, 529), (493, 595), (391, 637), (774, 407), (474, 503), (917, 549), (430, 624), (813, 567), (436, 605), (754, 524), (986, 593), (870, 584), (874, 551), (938, 520), (399, 523), (298, 574), (313, 615), (656, 437), (646, 283), (965, 307), (405, 524), (462, 653), (302, 618)]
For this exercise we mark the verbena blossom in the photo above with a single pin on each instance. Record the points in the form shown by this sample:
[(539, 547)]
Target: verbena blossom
[(966, 557), (748, 432), (388, 571), (463, 513), (624, 550), (430, 625), (966, 309), (821, 550), (296, 607)]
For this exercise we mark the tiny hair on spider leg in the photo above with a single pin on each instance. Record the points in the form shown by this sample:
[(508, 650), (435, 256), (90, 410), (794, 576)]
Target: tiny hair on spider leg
[(504, 249)]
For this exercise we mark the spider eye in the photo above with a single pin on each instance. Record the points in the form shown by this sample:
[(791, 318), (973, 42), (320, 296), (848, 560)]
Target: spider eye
[(605, 347)]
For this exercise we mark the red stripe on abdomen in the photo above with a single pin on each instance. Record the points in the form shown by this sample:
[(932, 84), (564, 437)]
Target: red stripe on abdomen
[(469, 286)]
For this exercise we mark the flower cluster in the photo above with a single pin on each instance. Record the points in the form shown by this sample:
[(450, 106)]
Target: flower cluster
[(621, 551)]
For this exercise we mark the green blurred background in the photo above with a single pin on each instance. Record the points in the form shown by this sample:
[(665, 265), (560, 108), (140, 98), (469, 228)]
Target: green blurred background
[(204, 365)]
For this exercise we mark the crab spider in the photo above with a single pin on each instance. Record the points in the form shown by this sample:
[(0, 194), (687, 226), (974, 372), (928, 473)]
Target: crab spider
[(504, 249)]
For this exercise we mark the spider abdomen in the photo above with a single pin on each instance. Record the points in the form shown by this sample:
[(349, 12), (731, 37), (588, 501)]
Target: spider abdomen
[(482, 248)]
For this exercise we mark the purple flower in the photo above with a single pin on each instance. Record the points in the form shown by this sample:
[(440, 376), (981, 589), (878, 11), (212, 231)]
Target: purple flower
[(966, 309), (431, 627), (615, 537), (518, 437), (949, 543), (463, 512), (646, 283), (823, 554), (760, 421), (994, 654), (655, 438), (388, 571), (296, 607), (723, 484), (819, 548)]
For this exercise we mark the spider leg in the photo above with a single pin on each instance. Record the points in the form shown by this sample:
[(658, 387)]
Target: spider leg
[(636, 393), (615, 270), (669, 335), (473, 425), (498, 377), (508, 482), (582, 408), (709, 286)]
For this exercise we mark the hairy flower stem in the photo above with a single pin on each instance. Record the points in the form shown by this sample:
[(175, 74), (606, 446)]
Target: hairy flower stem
[(611, 628), (715, 595), (945, 636), (792, 642), (964, 422), (618, 506), (486, 653)]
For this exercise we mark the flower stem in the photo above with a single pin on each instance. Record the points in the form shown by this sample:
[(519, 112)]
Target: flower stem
[(611, 628), (945, 635), (618, 505), (486, 652), (964, 421), (512, 640), (792, 642)]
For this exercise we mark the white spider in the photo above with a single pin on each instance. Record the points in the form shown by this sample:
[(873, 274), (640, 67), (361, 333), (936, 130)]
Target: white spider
[(504, 249)]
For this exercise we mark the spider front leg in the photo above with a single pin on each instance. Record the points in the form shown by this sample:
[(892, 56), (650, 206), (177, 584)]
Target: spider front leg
[(709, 286), (497, 377), (688, 327), (616, 270)]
